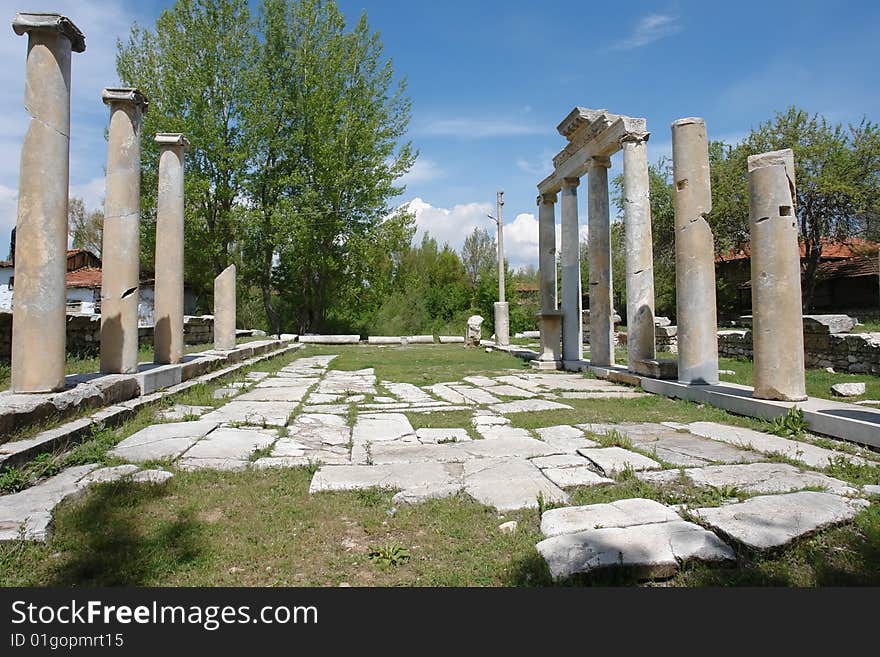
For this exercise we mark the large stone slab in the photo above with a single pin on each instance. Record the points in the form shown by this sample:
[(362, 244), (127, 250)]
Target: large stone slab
[(480, 381), (397, 452), (611, 460), (812, 455), (512, 391), (771, 521), (753, 478), (407, 392), (336, 382), (475, 395), (492, 431), (654, 549), (226, 449), (398, 475), (320, 429), (162, 441), (375, 427), (581, 475), (528, 406), (622, 513), (256, 413), (509, 484), (508, 446), (446, 393), (443, 435), (275, 393), (565, 438)]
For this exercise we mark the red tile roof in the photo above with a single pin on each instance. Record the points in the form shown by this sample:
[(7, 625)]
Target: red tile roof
[(832, 249), (852, 268), (87, 277)]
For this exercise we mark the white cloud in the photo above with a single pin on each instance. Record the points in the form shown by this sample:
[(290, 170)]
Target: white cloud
[(423, 170), (478, 128), (649, 29), (452, 225), (92, 193)]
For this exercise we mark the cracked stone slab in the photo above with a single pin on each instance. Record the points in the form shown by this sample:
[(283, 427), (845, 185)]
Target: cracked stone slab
[(610, 460), (407, 392), (397, 475), (285, 382), (480, 381), (512, 391), (397, 452), (446, 393), (755, 478), (227, 444), (309, 459), (485, 419), (528, 406), (564, 438), (423, 494), (162, 441), (256, 376), (770, 521), (493, 431), (512, 446), (151, 477), (575, 383), (509, 484), (285, 394), (443, 435), (320, 398), (622, 513), (256, 413), (654, 549), (182, 411), (374, 427), (476, 395), (334, 409), (320, 429), (348, 381), (579, 476), (812, 455)]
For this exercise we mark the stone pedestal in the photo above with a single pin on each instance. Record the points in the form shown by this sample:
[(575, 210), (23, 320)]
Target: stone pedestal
[(572, 347), (120, 251), (551, 334), (502, 323), (777, 326), (694, 254), (601, 289), (639, 253), (39, 321), (224, 309), (168, 312)]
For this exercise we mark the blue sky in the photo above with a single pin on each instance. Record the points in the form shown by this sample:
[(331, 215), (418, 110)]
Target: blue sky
[(491, 80)]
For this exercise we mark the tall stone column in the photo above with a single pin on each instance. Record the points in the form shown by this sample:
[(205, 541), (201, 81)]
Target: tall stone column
[(501, 307), (120, 251), (168, 312), (224, 309), (777, 322), (572, 327), (639, 252), (601, 287), (547, 250), (694, 254), (39, 324)]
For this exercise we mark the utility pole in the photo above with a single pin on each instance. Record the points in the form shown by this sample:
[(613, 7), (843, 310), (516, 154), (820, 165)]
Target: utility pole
[(502, 315)]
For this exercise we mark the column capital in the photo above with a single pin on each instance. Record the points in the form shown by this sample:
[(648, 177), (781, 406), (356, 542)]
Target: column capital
[(634, 138), (600, 161), (171, 140), (26, 21), (570, 183), (125, 96), (547, 199)]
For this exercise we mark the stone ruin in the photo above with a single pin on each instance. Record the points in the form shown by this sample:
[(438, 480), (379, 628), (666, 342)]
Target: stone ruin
[(594, 136), (39, 307)]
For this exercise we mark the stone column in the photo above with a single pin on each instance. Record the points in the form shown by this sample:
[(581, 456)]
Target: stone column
[(168, 313), (547, 250), (777, 321), (224, 309), (120, 251), (39, 324), (694, 254), (501, 307), (639, 252), (572, 328), (601, 287)]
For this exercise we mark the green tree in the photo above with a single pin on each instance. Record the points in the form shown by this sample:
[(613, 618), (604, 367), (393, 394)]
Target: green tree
[(479, 253), (86, 228), (194, 67), (837, 171)]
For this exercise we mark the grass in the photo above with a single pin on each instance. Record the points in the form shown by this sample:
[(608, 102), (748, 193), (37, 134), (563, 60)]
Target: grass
[(819, 381)]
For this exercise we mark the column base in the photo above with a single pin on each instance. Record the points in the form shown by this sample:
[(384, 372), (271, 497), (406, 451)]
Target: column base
[(546, 364), (575, 365)]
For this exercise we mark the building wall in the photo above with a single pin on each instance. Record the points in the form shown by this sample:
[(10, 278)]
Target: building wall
[(5, 290)]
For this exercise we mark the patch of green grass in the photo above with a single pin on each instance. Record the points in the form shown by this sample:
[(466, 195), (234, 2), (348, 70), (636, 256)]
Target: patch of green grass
[(842, 467), (390, 554), (818, 381), (790, 425)]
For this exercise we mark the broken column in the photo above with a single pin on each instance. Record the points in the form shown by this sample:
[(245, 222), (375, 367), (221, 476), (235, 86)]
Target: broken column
[(224, 309), (572, 336), (639, 252), (777, 324), (601, 288), (120, 252), (39, 325), (168, 313), (694, 254)]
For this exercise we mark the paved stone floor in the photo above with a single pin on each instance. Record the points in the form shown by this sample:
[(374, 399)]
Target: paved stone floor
[(355, 431)]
